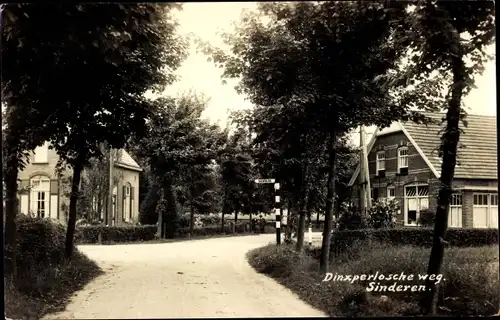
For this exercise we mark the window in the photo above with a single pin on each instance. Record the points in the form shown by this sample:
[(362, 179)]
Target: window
[(380, 164), (391, 193), (485, 210), (40, 189), (481, 199), (456, 200), (375, 194), (494, 199), (402, 157), (41, 154), (455, 211), (416, 201)]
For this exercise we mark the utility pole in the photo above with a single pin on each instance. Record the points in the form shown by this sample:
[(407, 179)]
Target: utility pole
[(362, 176), (367, 177), (365, 201), (109, 214)]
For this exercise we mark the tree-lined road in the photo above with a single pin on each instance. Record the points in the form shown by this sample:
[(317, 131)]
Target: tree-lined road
[(200, 278)]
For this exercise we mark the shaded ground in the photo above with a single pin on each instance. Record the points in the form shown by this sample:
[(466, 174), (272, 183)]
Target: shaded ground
[(200, 278)]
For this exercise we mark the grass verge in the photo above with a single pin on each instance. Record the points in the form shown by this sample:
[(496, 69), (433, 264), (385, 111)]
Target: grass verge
[(469, 286), (40, 291)]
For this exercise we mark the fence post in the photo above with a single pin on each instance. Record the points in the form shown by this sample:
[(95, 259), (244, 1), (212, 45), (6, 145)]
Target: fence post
[(277, 212)]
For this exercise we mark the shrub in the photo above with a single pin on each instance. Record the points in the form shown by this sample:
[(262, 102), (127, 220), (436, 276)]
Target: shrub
[(382, 214), (426, 218), (41, 243), (351, 220)]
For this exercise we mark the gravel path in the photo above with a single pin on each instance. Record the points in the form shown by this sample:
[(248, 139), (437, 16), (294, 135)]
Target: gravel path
[(199, 278)]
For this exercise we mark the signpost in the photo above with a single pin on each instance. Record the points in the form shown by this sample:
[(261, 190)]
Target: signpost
[(276, 205)]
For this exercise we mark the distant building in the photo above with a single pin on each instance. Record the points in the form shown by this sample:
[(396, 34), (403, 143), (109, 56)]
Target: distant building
[(42, 192), (404, 165)]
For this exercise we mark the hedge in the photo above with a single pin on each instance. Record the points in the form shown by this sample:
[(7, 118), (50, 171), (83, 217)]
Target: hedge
[(90, 234), (421, 237)]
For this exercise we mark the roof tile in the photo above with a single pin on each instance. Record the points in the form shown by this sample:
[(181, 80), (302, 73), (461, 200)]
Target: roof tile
[(477, 153)]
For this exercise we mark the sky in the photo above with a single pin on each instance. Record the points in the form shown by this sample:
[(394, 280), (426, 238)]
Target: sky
[(207, 20)]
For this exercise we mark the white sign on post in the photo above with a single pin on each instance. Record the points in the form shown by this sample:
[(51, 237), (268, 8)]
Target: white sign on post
[(264, 180)]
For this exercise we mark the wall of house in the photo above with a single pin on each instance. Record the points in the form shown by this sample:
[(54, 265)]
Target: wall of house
[(60, 188), (127, 176), (418, 171)]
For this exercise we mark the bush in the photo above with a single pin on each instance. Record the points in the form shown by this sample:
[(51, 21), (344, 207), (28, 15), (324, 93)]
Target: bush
[(351, 220), (426, 218), (466, 289), (90, 234), (41, 243), (45, 278), (382, 214)]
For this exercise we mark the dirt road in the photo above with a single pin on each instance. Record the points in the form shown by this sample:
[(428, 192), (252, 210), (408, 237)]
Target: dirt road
[(199, 278)]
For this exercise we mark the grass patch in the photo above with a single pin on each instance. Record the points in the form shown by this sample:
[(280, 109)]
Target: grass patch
[(470, 286)]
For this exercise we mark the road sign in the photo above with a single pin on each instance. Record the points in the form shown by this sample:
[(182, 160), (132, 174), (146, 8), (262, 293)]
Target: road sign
[(264, 180)]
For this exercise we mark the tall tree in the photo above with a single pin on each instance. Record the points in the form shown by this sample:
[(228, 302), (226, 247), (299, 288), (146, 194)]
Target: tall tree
[(321, 60), (451, 40), (92, 68), (177, 138)]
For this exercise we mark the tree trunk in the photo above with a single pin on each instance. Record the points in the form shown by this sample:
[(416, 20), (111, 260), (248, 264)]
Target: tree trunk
[(310, 206), (450, 139), (191, 219), (303, 208), (330, 201), (235, 217), (70, 231), (11, 208), (172, 212), (317, 219)]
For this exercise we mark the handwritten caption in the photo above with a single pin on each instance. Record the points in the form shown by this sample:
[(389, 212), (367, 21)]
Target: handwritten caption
[(375, 284)]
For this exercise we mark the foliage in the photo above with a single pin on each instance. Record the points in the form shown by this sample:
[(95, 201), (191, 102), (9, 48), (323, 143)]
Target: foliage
[(352, 220), (179, 148), (382, 213), (427, 218), (463, 289), (110, 49)]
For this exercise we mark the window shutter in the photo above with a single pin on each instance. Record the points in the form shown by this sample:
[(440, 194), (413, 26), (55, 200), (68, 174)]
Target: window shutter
[(131, 201), (23, 185), (54, 187), (123, 202)]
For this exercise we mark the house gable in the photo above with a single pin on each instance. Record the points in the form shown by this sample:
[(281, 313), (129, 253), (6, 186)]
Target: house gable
[(389, 139)]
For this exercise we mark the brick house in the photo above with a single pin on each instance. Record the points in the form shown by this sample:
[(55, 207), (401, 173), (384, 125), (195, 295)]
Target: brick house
[(44, 193), (404, 165)]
